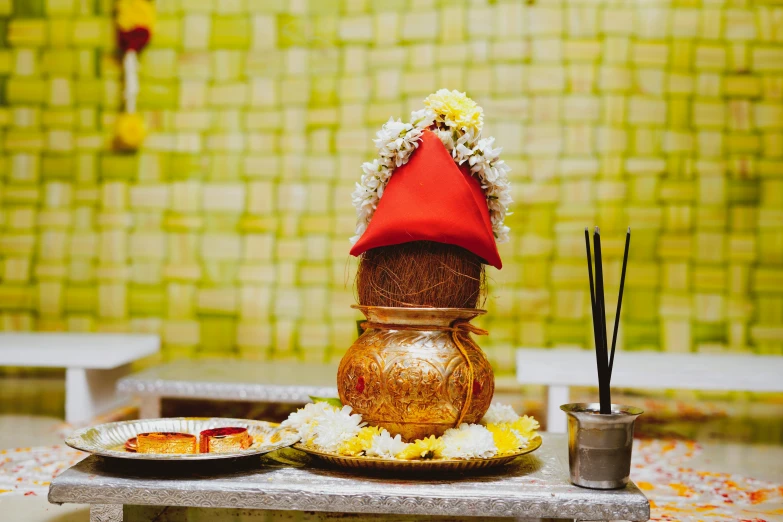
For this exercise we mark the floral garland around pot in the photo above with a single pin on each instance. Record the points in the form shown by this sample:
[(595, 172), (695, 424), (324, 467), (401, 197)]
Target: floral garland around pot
[(457, 121), (135, 20), (326, 427)]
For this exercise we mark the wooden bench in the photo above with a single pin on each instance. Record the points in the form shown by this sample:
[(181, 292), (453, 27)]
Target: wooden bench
[(560, 369), (93, 363)]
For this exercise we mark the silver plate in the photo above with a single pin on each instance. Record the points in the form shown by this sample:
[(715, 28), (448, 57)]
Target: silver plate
[(108, 440)]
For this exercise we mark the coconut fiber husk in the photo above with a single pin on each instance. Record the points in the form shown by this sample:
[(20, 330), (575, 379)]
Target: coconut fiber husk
[(420, 274)]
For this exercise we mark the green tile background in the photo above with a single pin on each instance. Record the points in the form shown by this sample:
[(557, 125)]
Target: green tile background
[(227, 233)]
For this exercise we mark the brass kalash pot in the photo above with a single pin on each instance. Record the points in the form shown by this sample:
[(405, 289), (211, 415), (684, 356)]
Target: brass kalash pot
[(416, 371)]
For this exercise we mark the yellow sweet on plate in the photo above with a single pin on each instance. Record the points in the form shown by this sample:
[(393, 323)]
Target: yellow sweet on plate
[(224, 440), (166, 442)]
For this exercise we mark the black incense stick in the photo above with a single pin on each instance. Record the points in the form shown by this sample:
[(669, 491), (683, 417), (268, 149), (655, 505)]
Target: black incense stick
[(604, 393), (593, 309), (619, 301)]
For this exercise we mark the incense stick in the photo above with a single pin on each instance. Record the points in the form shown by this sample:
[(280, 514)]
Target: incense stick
[(619, 301), (593, 310), (604, 392)]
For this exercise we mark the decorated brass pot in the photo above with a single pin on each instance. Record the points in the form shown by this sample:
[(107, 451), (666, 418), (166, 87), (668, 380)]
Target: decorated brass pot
[(416, 371)]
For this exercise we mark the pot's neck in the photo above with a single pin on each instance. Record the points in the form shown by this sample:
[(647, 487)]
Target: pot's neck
[(418, 316)]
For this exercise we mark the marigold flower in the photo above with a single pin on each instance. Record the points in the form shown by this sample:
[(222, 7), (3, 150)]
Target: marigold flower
[(130, 131), (507, 439), (428, 448), (134, 14), (360, 443), (456, 110), (526, 426)]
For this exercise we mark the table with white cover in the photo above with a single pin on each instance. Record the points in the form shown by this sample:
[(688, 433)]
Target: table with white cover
[(533, 487)]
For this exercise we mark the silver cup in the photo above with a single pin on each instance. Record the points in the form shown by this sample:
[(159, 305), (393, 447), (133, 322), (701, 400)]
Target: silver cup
[(600, 446)]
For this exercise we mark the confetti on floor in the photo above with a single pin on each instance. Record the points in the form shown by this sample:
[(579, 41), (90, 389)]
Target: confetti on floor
[(28, 471), (680, 493)]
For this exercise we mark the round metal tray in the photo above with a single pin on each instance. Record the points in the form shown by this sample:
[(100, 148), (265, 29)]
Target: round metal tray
[(108, 440), (434, 465)]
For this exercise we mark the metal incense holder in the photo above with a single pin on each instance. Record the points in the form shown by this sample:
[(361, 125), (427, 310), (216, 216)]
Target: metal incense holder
[(600, 446)]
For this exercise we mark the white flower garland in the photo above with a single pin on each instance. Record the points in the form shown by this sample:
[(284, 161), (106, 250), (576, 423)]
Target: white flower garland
[(397, 141)]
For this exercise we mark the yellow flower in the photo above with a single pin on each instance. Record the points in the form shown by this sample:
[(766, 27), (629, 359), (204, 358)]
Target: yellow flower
[(423, 449), (132, 14), (526, 426), (456, 110), (505, 437), (359, 443), (129, 131)]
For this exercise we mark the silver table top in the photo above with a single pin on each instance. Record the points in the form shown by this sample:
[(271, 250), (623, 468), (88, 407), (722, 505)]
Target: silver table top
[(534, 486), (227, 379)]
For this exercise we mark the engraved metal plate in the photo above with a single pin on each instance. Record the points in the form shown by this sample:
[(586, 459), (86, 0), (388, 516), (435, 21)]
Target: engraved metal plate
[(108, 440)]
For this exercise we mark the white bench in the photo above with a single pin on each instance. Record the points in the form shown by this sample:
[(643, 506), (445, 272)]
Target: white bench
[(283, 382), (93, 363), (559, 369)]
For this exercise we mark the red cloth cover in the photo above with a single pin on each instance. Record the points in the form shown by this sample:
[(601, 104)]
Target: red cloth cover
[(430, 198)]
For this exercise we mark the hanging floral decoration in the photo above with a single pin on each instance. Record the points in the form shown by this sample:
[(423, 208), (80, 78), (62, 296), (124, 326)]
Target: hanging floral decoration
[(325, 427), (457, 121), (135, 20)]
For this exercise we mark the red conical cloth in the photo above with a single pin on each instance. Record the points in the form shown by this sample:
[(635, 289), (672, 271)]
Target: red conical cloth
[(430, 198)]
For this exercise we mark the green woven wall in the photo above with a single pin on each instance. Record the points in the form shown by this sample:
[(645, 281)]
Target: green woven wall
[(227, 233)]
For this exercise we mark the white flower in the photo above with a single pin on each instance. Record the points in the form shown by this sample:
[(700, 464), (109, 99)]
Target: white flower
[(396, 141), (386, 446), (492, 173), (333, 427), (498, 413), (501, 234), (368, 191), (446, 137), (423, 118), (462, 153), (463, 145), (301, 420), (468, 441)]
